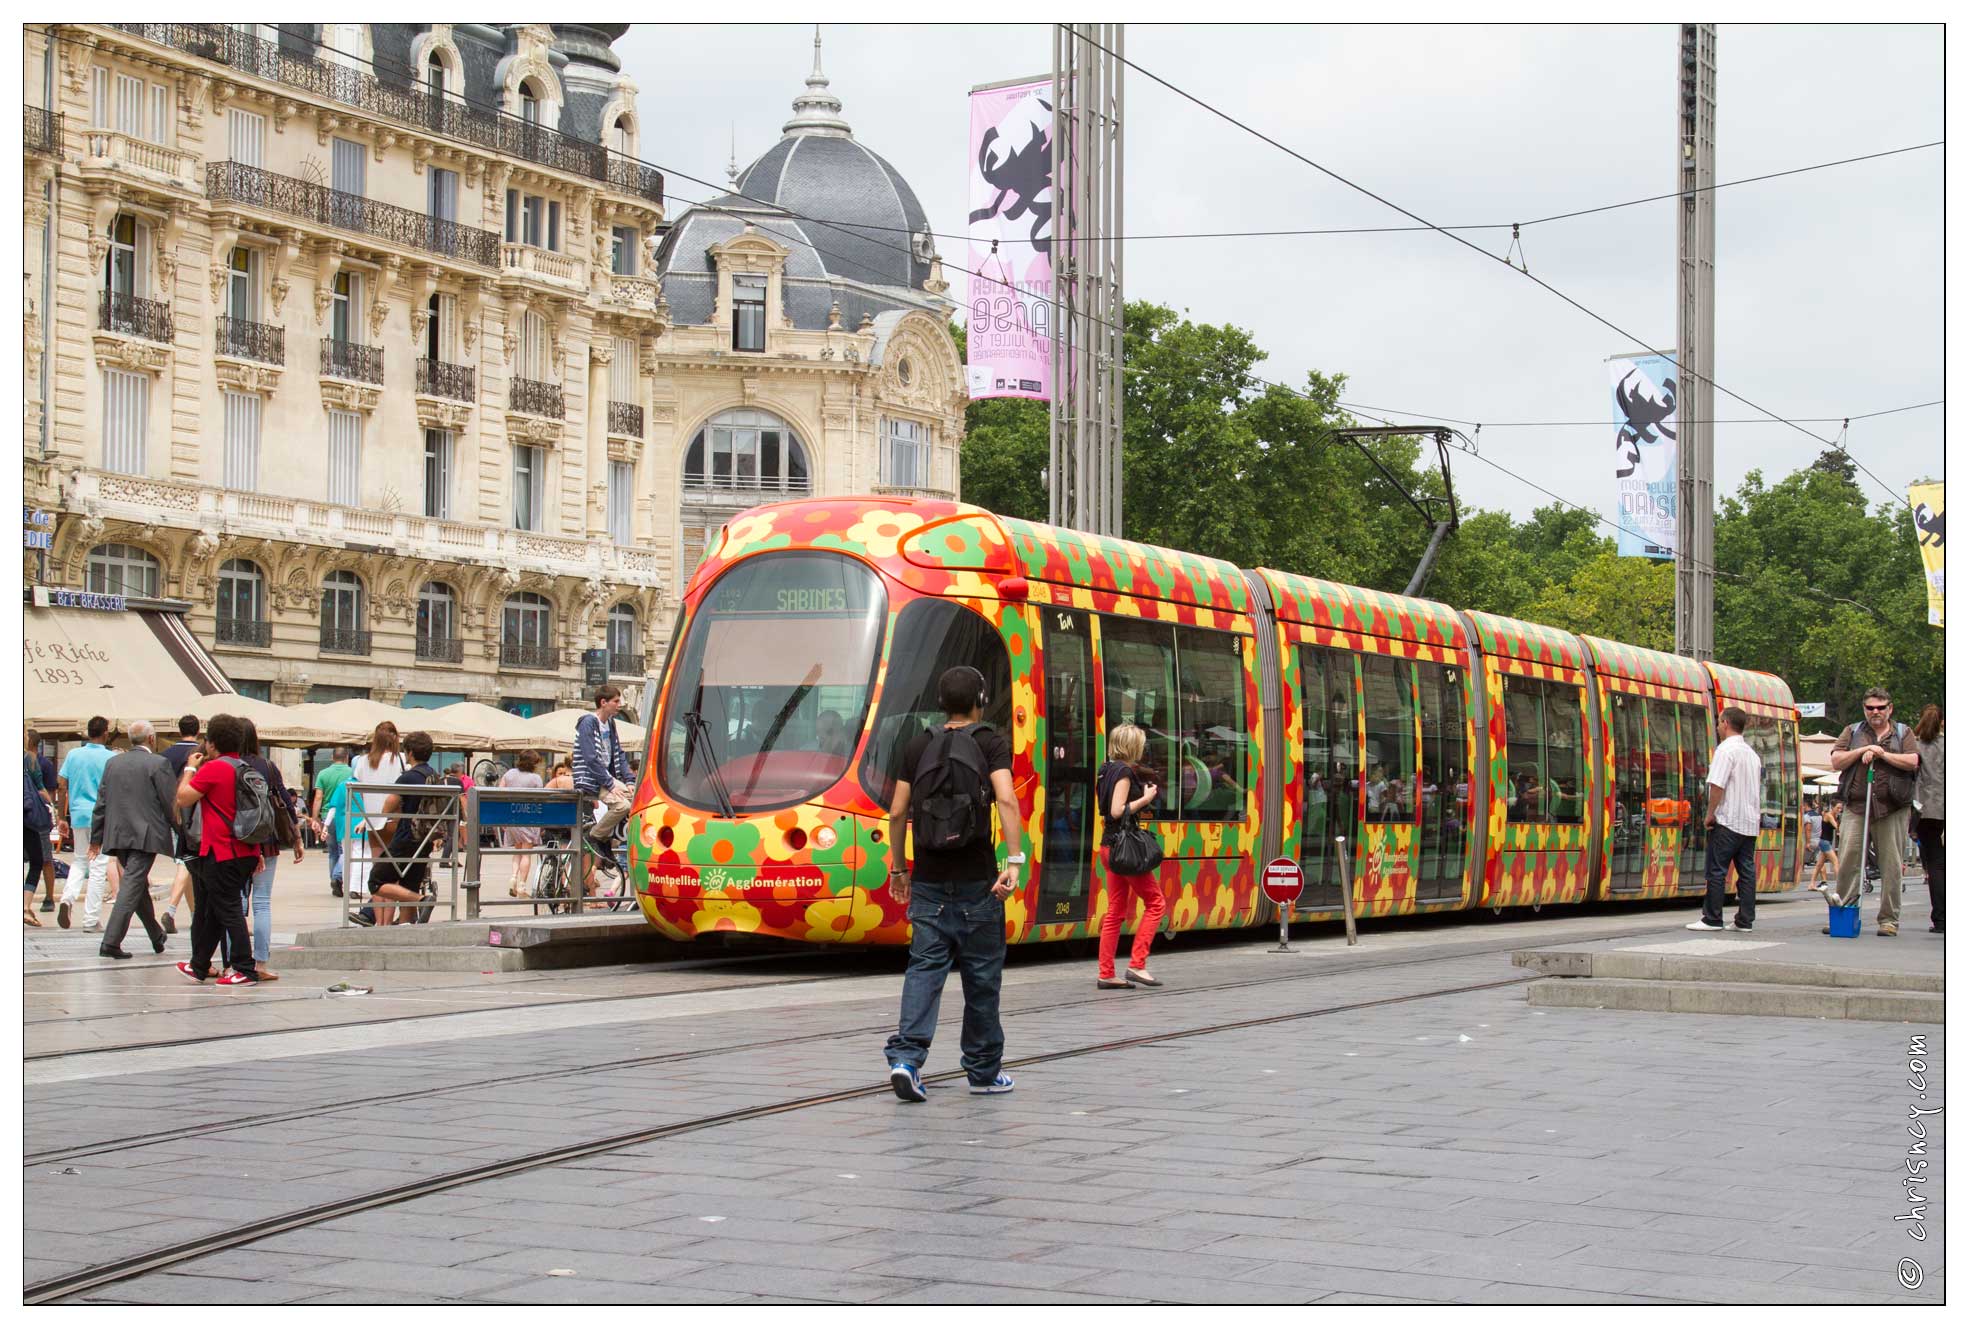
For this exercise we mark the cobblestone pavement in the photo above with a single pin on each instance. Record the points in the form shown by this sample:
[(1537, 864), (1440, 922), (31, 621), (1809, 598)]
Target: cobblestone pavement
[(1455, 1148)]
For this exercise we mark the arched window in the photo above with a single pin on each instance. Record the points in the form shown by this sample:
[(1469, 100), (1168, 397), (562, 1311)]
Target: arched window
[(530, 102), (242, 604), (123, 570), (343, 614), (622, 136), (437, 623), (526, 632), (625, 654), (748, 451), (434, 75)]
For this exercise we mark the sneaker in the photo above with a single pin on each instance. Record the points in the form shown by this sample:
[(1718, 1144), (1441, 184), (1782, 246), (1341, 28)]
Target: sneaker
[(1002, 1085), (232, 978), (47, 906), (1889, 930), (170, 923), (61, 914), (907, 1084), (184, 967), (356, 917), (1739, 927), (1703, 925)]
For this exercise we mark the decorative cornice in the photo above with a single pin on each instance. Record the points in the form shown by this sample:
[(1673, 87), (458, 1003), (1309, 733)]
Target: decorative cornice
[(118, 352), (338, 394), (239, 375), (536, 430), (442, 413)]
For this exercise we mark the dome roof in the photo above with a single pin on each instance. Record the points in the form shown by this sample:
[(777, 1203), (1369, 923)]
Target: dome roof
[(847, 214)]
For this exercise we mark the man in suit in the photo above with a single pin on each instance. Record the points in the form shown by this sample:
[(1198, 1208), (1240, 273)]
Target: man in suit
[(136, 813)]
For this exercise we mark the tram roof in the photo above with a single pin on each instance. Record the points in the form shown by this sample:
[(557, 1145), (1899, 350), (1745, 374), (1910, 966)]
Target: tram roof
[(1332, 604), (1077, 558), (1645, 666), (1514, 638), (1755, 691)]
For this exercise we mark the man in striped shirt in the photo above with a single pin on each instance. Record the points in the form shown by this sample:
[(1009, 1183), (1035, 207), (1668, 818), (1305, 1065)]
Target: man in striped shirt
[(1736, 779)]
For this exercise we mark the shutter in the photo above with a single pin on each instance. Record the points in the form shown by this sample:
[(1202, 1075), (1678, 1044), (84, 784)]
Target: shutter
[(143, 289), (554, 227), (621, 498), (622, 372), (246, 137), (437, 475), (355, 309), (448, 327), (242, 464), (533, 347), (126, 413), (444, 194), (350, 167), (539, 488), (99, 98), (129, 106), (694, 534), (160, 114), (512, 216), (344, 458)]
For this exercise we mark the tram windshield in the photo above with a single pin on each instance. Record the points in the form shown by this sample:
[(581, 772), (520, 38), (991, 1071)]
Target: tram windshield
[(772, 684)]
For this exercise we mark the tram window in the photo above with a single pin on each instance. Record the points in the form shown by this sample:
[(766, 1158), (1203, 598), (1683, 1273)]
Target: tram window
[(1138, 665), (1697, 743), (1184, 688), (1387, 699), (1665, 807), (1524, 730), (1630, 736), (1329, 754), (1445, 781), (930, 637), (1763, 739), (1563, 735)]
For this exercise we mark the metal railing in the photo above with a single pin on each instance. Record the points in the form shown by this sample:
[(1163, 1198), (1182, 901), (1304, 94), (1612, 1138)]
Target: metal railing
[(244, 632), (565, 861), (264, 342), (422, 855), (439, 378), (529, 655), (401, 97), (41, 129), (345, 641), (625, 418), (352, 360), (249, 186), (149, 319), (626, 663), (442, 650), (747, 484), (534, 398)]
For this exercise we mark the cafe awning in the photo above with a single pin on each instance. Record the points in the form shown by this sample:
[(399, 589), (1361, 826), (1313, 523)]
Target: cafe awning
[(137, 664)]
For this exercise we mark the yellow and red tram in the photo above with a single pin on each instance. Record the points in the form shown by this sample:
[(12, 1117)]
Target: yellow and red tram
[(1469, 761)]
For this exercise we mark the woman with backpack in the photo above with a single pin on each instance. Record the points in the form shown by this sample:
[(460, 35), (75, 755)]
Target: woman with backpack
[(261, 893), (1124, 788)]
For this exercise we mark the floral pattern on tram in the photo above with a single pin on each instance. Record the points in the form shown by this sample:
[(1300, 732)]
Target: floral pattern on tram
[(1632, 671), (1768, 698)]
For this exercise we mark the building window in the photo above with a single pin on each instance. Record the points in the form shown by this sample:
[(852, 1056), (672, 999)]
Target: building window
[(345, 310), (242, 459), (533, 347), (623, 137), (242, 602), (437, 623), (341, 603), (345, 458), (906, 458), (623, 640), (443, 200), (525, 632), (529, 487), (437, 473), (246, 137), (242, 285), (126, 421), (627, 239), (125, 269), (529, 103), (748, 313), (129, 106), (99, 98), (123, 570), (349, 167), (621, 501), (434, 75), (747, 450)]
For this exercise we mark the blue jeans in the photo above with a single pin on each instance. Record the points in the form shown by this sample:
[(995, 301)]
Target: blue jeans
[(1727, 847), (262, 899), (960, 922), (334, 856)]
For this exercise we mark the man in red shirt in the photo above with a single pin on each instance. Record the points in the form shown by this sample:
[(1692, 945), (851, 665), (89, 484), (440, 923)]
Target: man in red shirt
[(223, 870)]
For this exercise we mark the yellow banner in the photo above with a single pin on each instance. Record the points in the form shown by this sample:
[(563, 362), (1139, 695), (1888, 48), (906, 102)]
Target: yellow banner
[(1927, 501)]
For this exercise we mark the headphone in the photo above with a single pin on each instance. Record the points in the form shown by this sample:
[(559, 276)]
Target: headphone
[(979, 675)]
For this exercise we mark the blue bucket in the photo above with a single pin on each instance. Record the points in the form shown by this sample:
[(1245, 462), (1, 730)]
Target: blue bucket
[(1844, 918)]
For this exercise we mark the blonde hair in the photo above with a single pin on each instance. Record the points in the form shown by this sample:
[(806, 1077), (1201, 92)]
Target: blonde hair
[(1127, 742)]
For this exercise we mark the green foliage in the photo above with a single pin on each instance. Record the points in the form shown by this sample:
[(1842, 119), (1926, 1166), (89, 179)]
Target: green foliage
[(1813, 586)]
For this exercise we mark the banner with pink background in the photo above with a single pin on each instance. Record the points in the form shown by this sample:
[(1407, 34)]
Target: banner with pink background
[(1008, 328)]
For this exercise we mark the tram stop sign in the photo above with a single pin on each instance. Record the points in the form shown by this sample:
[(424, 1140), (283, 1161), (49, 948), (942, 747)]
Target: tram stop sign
[(1283, 881)]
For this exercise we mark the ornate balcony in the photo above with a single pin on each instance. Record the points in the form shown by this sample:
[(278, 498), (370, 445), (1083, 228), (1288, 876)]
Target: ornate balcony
[(344, 641), (249, 186), (525, 655), (632, 177), (42, 130), (437, 378), (136, 317), (350, 360), (560, 271), (747, 485), (625, 664), (252, 341), (625, 419), (441, 650), (108, 153), (245, 632), (531, 398)]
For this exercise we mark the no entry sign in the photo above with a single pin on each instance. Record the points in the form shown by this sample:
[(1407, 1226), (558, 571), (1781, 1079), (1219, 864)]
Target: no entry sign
[(1283, 881)]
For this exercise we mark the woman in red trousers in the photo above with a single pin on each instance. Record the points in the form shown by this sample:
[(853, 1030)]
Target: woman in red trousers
[(1123, 787)]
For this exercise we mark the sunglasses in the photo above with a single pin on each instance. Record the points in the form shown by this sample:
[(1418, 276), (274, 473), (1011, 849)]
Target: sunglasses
[(1874, 708)]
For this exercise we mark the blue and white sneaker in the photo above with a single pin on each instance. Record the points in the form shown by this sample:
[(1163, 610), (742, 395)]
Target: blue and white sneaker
[(1002, 1085), (907, 1084)]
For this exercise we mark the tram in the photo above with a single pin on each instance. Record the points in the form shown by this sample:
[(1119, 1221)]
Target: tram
[(1469, 761)]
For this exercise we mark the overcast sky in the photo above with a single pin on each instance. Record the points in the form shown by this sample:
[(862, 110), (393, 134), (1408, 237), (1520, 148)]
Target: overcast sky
[(1829, 292)]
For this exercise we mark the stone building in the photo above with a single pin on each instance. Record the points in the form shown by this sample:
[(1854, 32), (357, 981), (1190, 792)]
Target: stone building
[(375, 343)]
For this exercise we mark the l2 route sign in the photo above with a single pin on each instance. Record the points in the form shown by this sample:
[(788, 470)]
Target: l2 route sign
[(1283, 881)]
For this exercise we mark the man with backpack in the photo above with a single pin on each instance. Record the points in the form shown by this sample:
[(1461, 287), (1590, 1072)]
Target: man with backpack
[(235, 821), (949, 778), (1883, 752), (400, 874)]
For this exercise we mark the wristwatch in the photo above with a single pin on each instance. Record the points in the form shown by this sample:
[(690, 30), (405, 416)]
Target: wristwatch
[(1015, 860)]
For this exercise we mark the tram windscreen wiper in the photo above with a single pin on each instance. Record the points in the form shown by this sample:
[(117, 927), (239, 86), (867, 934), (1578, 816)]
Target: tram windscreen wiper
[(699, 737)]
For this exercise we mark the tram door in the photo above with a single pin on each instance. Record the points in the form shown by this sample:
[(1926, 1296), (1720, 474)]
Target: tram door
[(1628, 827), (1066, 855), (1695, 794)]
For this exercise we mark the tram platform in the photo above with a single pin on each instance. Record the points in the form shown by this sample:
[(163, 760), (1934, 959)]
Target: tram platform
[(1785, 967), (486, 945)]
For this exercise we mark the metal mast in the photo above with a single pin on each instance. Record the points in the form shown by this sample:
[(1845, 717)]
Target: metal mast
[(1695, 306), (1085, 420)]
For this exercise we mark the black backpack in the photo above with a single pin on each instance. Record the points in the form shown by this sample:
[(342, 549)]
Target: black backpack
[(950, 795), (253, 819)]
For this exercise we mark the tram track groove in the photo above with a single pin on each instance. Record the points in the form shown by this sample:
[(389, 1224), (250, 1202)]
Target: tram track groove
[(92, 1277)]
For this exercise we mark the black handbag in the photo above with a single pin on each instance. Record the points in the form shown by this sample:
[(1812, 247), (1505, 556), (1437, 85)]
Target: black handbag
[(1132, 851)]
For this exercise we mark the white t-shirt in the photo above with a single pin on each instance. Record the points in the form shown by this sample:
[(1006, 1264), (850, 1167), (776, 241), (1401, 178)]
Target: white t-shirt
[(1738, 771), (384, 772)]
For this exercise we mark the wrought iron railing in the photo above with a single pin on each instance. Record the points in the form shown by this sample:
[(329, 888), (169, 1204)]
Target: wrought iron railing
[(236, 182), (347, 359), (625, 418), (245, 632), (149, 319), (443, 650), (528, 655), (401, 97), (532, 398), (438, 378), (748, 484), (264, 342), (344, 641), (42, 130), (625, 663)]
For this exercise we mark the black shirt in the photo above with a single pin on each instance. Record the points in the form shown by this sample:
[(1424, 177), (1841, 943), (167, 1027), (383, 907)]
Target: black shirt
[(176, 754), (977, 861), (411, 835)]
